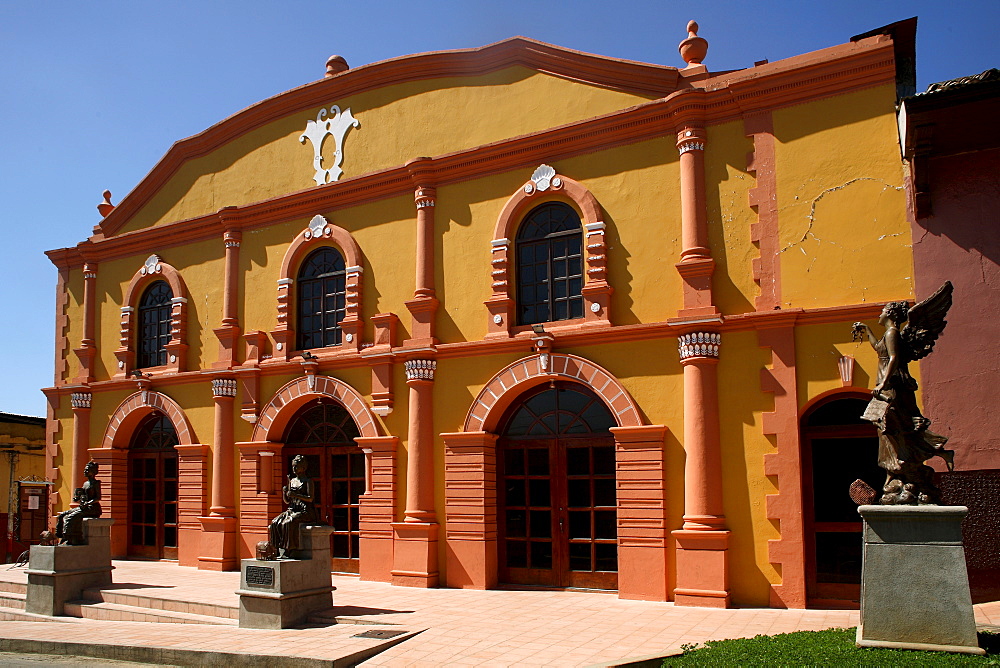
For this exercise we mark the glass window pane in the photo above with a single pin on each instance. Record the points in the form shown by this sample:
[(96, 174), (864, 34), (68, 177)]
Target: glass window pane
[(514, 490), (541, 554), (605, 524), (538, 493), (516, 526), (606, 556), (577, 461), (578, 493), (579, 557), (579, 524), (341, 546), (517, 554), (541, 524), (604, 459), (513, 458), (538, 461), (170, 536), (604, 493)]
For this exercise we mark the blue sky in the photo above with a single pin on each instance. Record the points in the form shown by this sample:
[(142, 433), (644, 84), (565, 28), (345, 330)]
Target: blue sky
[(93, 94)]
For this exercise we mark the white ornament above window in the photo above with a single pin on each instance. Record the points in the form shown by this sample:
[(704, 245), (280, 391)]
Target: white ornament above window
[(317, 131), (542, 177), (151, 266)]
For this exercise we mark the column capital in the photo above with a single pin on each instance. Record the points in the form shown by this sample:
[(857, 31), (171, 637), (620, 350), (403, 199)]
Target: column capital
[(90, 270), (420, 369), (223, 387), (80, 400), (232, 238), (691, 138), (699, 345)]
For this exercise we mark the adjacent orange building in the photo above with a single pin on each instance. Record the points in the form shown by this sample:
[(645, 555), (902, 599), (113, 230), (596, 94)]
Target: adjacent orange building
[(534, 316)]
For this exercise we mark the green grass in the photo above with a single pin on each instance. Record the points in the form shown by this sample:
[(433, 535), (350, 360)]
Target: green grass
[(834, 647)]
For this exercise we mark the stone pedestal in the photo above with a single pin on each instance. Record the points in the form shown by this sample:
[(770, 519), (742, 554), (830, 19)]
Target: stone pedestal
[(414, 554), (914, 582), (60, 573), (282, 594)]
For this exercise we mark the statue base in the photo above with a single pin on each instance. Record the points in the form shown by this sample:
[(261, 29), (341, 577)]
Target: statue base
[(60, 573), (914, 581), (281, 594)]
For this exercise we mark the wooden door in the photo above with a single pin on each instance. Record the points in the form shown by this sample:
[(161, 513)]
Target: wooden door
[(153, 504), (324, 433), (838, 448), (557, 500), (152, 489)]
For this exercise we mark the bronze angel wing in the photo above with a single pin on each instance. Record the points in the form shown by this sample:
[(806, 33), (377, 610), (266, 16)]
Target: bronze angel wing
[(925, 323)]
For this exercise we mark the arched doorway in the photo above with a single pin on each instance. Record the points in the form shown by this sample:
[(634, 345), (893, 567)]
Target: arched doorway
[(558, 505), (324, 432), (152, 489), (838, 448)]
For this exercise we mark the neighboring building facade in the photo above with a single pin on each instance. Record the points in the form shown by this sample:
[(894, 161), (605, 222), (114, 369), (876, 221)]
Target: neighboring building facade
[(951, 144), (22, 468), (599, 337)]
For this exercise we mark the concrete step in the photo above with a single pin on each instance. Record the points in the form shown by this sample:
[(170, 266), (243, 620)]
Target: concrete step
[(344, 615), (101, 610), (9, 599), (19, 615), (156, 604), (14, 587)]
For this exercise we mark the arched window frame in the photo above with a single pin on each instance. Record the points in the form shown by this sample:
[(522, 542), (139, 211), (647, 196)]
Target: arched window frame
[(326, 307), (154, 269), (317, 234), (150, 346), (544, 186)]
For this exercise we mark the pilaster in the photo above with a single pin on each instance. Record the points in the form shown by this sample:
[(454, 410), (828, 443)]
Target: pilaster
[(260, 492), (219, 541), (80, 402), (377, 508), (470, 489)]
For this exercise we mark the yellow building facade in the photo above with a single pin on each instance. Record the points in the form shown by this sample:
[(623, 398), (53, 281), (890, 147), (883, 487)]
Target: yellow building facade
[(533, 316)]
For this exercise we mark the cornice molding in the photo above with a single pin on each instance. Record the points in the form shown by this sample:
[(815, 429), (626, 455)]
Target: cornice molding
[(720, 99)]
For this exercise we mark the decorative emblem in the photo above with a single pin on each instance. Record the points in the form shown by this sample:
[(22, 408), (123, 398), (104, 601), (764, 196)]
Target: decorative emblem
[(318, 130), (543, 178), (151, 265), (317, 228), (223, 387)]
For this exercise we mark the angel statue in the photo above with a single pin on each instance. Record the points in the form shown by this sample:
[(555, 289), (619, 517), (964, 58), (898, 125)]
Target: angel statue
[(904, 441)]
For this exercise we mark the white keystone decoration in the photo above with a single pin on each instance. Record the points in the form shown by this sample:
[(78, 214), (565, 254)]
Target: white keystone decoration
[(318, 130)]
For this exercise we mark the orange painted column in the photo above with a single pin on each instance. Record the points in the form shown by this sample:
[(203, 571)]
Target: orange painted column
[(470, 489), (229, 333), (696, 264), (88, 347), (80, 401), (219, 544), (702, 543), (415, 562), (424, 304)]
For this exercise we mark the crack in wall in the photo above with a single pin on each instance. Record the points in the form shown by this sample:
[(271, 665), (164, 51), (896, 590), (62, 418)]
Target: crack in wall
[(812, 211)]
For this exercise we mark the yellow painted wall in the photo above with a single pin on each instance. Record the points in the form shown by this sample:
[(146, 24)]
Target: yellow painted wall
[(74, 325), (841, 206), (438, 116), (727, 185)]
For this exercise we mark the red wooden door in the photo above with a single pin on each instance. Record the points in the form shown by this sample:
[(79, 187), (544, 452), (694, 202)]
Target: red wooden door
[(557, 500), (152, 489)]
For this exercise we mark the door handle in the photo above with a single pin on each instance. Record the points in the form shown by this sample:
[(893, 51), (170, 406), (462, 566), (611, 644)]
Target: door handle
[(561, 527)]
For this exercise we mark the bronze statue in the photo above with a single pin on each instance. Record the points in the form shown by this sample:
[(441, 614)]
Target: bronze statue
[(905, 442), (69, 523), (300, 495)]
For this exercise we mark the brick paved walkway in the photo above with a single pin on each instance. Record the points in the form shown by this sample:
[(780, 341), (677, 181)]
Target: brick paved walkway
[(456, 627)]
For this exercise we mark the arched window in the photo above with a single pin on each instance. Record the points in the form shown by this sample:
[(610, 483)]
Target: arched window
[(549, 252), (154, 325), (322, 299)]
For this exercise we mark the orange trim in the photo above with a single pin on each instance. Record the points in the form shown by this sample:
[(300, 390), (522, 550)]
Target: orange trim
[(788, 551), (833, 71), (286, 401), (764, 200), (378, 507), (137, 406), (516, 378)]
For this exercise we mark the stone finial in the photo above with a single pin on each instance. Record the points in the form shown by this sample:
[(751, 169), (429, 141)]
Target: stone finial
[(335, 65), (106, 206), (694, 48)]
